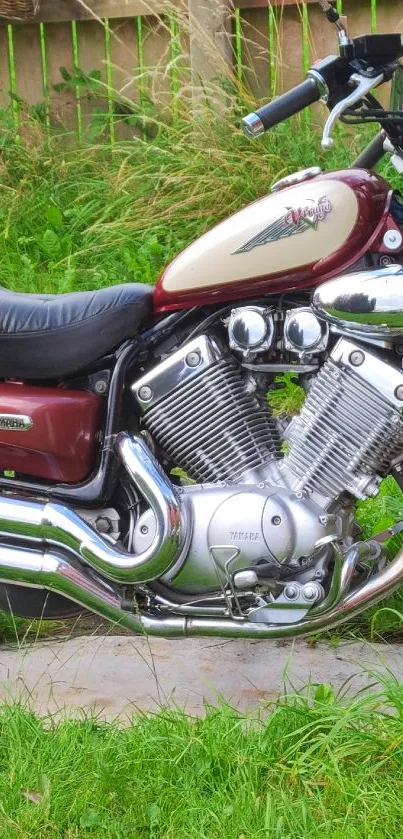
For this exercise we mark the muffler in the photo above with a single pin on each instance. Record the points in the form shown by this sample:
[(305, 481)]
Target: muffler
[(52, 524)]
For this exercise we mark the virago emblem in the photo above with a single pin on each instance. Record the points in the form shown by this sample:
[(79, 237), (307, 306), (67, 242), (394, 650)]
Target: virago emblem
[(296, 220)]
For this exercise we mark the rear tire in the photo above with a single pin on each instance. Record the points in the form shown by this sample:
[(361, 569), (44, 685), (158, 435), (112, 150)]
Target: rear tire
[(36, 604)]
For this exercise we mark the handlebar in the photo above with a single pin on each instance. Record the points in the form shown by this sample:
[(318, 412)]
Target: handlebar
[(285, 106), (372, 154), (343, 82)]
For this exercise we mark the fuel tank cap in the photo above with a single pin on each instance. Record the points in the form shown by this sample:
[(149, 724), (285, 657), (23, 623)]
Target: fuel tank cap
[(296, 178)]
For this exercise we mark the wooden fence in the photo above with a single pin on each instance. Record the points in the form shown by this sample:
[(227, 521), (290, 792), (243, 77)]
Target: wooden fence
[(88, 62)]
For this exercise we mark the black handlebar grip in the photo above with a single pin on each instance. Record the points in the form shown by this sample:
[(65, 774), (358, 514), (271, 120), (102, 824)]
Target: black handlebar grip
[(372, 153), (282, 108)]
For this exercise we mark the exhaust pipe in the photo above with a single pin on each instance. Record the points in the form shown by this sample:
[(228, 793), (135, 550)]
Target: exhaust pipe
[(64, 555), (54, 572), (55, 524)]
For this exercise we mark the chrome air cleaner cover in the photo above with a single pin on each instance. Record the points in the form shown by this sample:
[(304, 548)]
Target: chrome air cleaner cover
[(369, 301)]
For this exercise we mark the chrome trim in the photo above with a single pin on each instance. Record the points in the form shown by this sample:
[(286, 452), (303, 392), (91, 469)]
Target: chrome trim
[(363, 86), (381, 376), (55, 524), (305, 332), (52, 571), (296, 178), (15, 422), (252, 125), (369, 301), (320, 84), (178, 369), (251, 329)]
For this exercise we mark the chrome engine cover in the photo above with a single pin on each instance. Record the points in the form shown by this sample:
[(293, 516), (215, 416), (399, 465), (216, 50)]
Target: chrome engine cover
[(370, 302), (237, 528)]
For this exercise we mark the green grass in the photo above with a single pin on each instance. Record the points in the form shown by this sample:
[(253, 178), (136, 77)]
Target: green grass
[(317, 766)]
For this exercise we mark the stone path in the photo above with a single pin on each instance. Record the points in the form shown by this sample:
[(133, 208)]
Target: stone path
[(113, 676)]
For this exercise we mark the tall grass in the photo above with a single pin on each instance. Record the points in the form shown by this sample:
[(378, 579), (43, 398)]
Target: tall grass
[(316, 767), (88, 216)]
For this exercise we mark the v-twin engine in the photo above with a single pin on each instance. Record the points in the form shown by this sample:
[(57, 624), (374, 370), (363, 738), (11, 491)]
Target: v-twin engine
[(209, 418)]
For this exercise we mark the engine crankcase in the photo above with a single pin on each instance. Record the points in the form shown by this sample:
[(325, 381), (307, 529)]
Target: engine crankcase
[(238, 527)]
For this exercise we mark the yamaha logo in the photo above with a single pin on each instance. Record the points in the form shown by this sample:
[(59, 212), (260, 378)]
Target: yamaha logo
[(15, 422), (243, 536)]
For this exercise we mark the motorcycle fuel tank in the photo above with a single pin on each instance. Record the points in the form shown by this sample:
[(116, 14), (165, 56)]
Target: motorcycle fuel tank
[(295, 237)]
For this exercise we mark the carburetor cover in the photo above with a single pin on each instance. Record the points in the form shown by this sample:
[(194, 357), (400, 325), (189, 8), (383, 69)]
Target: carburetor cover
[(251, 329)]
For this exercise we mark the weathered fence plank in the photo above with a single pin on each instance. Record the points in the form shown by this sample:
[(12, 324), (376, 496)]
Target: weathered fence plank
[(211, 51), (28, 64), (255, 51), (125, 72), (57, 11), (59, 52), (390, 16), (290, 54), (156, 57), (4, 69), (92, 56)]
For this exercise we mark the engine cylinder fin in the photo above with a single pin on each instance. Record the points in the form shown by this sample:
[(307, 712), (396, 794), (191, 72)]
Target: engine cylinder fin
[(346, 434), (214, 426)]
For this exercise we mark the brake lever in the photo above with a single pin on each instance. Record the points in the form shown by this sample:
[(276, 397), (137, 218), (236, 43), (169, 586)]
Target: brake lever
[(364, 85)]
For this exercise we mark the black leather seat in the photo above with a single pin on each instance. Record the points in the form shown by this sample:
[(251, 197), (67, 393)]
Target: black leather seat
[(50, 336)]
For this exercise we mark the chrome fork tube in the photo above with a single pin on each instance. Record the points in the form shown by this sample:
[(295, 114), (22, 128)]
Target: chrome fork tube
[(55, 524)]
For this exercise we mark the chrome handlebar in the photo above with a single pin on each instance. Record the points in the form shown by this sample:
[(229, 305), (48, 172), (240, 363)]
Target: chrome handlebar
[(363, 86)]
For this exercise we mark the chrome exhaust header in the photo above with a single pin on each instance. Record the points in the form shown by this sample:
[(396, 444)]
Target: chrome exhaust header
[(50, 547), (53, 524), (52, 571)]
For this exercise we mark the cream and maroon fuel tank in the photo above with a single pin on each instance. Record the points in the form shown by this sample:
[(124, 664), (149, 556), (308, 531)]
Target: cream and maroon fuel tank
[(293, 238)]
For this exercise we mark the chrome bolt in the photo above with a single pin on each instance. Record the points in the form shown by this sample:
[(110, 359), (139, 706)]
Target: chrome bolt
[(145, 393), (304, 561), (323, 519), (310, 592), (101, 387), (193, 359), (357, 358), (291, 592), (103, 525), (144, 529), (399, 393), (276, 520), (395, 419)]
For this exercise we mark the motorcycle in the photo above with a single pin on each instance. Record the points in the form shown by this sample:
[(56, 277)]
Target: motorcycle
[(144, 476)]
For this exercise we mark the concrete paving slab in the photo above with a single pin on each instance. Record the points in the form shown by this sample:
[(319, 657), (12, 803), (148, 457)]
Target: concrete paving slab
[(114, 676)]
